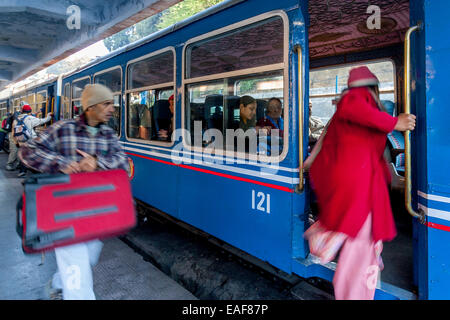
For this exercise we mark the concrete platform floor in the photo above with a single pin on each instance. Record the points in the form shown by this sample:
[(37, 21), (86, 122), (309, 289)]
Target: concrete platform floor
[(121, 273)]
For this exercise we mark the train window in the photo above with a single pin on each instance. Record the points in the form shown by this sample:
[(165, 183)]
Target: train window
[(205, 103), (326, 85), (65, 105), (216, 105), (2, 110), (250, 60), (151, 111), (16, 104), (152, 71), (30, 100), (150, 114), (113, 80), (41, 102), (77, 89), (252, 46)]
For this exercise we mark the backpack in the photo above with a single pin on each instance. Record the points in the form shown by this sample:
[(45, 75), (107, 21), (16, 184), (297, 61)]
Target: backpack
[(21, 131), (7, 123)]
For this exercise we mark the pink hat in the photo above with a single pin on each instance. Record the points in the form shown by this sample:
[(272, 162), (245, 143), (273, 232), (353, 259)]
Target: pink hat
[(362, 77), (26, 108)]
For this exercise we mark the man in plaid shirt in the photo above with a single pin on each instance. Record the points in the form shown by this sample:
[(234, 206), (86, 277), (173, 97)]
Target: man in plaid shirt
[(85, 144)]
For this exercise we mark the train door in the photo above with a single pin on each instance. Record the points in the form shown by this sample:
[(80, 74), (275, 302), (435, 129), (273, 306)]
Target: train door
[(430, 167), (342, 36)]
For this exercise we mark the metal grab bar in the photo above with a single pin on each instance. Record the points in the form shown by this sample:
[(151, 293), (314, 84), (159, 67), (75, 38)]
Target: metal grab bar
[(407, 68), (300, 185), (52, 110), (46, 111)]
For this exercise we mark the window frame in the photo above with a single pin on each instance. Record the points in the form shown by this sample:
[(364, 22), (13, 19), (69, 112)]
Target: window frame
[(120, 93), (357, 64), (3, 109), (16, 107), (71, 92), (33, 103), (284, 67), (43, 93), (63, 96), (153, 87)]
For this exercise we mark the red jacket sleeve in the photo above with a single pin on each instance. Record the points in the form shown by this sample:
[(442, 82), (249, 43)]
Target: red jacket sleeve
[(355, 107)]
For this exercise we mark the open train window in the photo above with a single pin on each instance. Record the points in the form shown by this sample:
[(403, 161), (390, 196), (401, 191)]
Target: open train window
[(77, 88), (150, 84), (113, 80), (326, 85), (221, 68)]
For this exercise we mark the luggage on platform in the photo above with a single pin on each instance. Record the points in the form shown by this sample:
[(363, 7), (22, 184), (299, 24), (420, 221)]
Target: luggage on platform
[(58, 209)]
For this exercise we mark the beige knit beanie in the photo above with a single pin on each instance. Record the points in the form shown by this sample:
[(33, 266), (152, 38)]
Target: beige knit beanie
[(95, 93)]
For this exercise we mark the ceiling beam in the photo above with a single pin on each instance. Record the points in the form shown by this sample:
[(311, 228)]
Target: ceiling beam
[(5, 75), (18, 55)]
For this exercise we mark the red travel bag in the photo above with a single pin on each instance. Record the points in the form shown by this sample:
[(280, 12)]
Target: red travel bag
[(58, 209)]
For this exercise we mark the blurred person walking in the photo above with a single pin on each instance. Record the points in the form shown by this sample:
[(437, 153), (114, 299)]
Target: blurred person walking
[(85, 144), (27, 122), (350, 178), (4, 130), (13, 162)]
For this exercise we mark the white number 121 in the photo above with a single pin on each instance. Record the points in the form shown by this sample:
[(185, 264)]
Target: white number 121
[(261, 200)]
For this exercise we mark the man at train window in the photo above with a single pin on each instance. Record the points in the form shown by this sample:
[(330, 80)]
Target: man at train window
[(84, 144)]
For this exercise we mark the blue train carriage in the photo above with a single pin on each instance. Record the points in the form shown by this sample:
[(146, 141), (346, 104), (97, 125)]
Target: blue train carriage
[(40, 97), (257, 200)]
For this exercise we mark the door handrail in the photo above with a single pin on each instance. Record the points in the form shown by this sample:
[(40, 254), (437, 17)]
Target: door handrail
[(300, 185), (407, 134)]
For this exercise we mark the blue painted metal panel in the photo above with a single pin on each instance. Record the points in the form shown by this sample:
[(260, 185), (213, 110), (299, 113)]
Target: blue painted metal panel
[(229, 211), (431, 149), (155, 183), (438, 261)]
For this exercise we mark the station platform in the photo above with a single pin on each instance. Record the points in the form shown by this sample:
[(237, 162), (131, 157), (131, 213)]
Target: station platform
[(121, 274)]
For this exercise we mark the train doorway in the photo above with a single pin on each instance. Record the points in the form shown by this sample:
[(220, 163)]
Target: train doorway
[(343, 35)]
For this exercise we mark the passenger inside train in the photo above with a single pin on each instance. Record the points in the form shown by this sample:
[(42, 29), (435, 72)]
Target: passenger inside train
[(164, 119), (139, 121), (150, 115), (273, 118), (247, 113)]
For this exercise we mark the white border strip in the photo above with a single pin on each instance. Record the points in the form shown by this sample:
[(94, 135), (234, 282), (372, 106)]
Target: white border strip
[(435, 213), (224, 168), (224, 159), (433, 197)]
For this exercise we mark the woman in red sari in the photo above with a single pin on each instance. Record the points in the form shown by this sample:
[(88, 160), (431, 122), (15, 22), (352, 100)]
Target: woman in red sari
[(350, 178)]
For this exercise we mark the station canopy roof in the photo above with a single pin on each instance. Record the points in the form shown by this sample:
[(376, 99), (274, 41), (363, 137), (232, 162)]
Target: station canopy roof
[(34, 34)]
